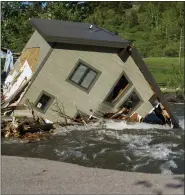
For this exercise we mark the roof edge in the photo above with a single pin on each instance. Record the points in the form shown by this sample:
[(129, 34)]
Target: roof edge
[(80, 41)]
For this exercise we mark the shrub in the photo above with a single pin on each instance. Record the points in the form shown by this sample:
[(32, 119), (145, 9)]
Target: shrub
[(171, 51)]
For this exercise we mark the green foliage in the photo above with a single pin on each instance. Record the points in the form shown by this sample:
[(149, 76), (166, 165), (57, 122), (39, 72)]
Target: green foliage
[(154, 27), (15, 25), (167, 70), (177, 80), (171, 50)]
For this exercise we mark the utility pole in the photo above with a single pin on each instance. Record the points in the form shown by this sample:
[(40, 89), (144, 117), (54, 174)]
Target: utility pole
[(181, 46), (181, 74)]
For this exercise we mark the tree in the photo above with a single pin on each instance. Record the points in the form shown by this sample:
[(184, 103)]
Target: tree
[(153, 26)]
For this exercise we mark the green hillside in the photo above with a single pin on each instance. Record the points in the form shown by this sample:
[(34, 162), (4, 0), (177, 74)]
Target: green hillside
[(162, 68), (154, 28)]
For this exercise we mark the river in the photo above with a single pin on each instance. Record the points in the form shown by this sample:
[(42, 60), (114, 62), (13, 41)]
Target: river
[(112, 145)]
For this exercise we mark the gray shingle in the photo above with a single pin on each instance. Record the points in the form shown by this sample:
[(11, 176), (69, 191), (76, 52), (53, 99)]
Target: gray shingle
[(77, 33)]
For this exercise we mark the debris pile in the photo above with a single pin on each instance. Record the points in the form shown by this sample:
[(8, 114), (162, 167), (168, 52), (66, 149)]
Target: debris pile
[(24, 127), (36, 128), (29, 128)]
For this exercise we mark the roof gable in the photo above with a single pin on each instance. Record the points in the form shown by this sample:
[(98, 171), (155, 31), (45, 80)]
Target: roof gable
[(77, 33)]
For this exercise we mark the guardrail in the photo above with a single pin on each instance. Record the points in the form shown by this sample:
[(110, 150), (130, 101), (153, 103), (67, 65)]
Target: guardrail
[(162, 84)]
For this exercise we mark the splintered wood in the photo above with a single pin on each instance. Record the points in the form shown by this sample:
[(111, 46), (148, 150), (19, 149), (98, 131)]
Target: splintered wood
[(35, 128), (28, 128), (31, 55)]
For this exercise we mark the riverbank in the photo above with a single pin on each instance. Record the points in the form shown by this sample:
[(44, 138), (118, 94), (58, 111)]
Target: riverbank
[(38, 176), (162, 67), (172, 97)]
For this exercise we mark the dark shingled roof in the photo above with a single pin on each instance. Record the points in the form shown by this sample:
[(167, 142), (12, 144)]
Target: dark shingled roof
[(77, 33)]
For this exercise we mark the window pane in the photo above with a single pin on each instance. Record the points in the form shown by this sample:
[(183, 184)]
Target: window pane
[(118, 90), (43, 101), (131, 101), (88, 79), (79, 73)]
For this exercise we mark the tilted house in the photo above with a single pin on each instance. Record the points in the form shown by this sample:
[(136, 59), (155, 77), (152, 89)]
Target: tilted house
[(86, 67)]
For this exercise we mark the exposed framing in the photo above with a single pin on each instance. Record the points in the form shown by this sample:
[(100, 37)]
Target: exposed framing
[(88, 66), (141, 101), (130, 84), (48, 104)]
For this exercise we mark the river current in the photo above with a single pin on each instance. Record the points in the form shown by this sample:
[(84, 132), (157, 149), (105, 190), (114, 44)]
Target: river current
[(112, 145)]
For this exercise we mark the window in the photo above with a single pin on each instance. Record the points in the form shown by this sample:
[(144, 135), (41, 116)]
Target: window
[(43, 101), (83, 76), (131, 102), (118, 90)]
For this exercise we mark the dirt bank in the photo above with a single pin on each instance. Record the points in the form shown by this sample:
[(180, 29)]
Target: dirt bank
[(172, 97), (38, 176)]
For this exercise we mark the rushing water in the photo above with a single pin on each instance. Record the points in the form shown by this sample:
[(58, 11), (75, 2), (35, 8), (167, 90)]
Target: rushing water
[(112, 145)]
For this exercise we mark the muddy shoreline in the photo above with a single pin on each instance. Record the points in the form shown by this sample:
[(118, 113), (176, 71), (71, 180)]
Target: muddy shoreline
[(173, 98)]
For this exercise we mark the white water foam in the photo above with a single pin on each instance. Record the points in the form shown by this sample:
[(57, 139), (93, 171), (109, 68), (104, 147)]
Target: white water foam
[(141, 148), (109, 124), (166, 171), (68, 129), (64, 155), (141, 164), (181, 123), (165, 168), (138, 140), (161, 151), (123, 125), (139, 145)]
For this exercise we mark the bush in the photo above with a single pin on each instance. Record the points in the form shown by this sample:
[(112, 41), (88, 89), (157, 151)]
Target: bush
[(143, 49), (177, 81), (171, 51)]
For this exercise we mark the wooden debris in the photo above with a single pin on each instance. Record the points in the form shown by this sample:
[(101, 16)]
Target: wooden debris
[(35, 128)]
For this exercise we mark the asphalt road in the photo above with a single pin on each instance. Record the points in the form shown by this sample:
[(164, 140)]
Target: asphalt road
[(38, 176)]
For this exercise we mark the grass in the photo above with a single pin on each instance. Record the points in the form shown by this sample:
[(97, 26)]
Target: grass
[(166, 90), (161, 67)]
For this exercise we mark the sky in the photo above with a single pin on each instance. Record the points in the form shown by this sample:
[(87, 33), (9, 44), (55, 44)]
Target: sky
[(27, 2)]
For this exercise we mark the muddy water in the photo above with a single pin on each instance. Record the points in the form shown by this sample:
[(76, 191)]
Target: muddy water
[(112, 145)]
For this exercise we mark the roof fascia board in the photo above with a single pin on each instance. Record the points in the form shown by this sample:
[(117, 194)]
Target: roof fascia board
[(82, 41), (86, 48), (86, 42)]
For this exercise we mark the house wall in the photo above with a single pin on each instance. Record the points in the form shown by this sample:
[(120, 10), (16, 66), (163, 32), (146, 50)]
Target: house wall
[(52, 79)]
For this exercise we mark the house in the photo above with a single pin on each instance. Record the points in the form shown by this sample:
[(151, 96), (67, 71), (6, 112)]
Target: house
[(86, 68)]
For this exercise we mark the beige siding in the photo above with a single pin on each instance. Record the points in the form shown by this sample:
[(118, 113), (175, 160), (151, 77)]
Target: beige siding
[(52, 78)]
